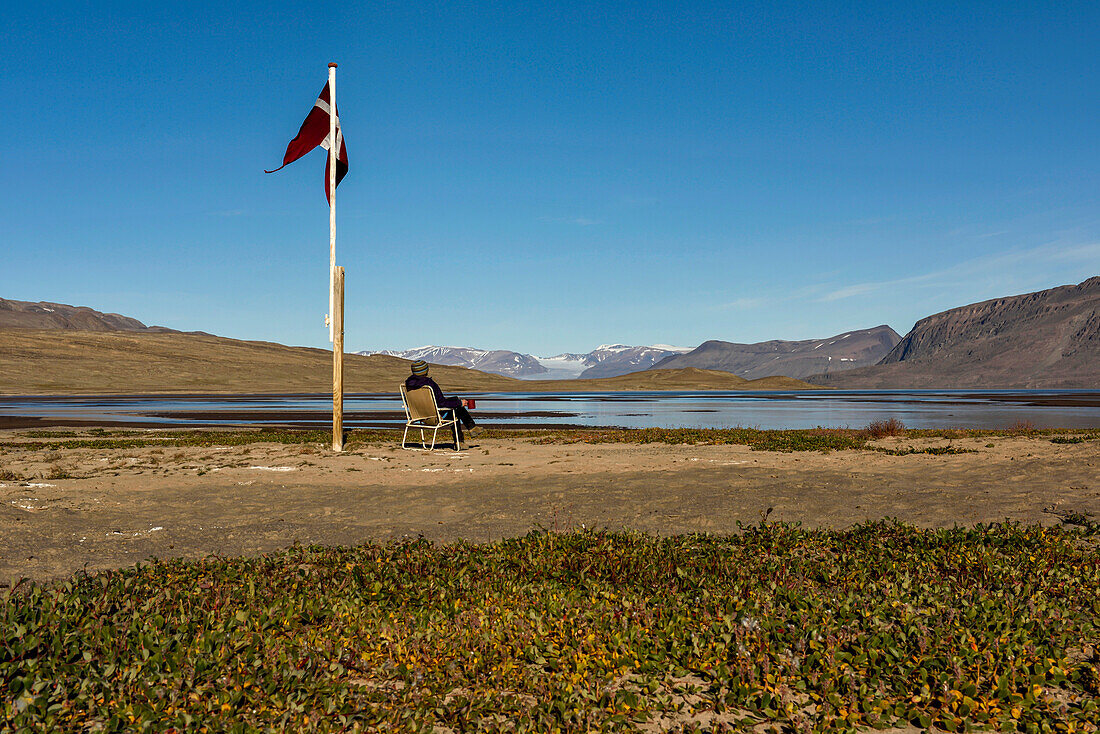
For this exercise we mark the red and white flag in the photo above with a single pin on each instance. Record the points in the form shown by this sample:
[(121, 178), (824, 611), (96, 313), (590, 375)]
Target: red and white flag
[(314, 132)]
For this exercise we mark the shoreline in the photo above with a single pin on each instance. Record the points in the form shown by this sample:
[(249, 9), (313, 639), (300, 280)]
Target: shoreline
[(98, 504)]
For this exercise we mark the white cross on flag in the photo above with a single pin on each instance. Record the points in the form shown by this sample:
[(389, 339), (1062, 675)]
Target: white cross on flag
[(314, 132)]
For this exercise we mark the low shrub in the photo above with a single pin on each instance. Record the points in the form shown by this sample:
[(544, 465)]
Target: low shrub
[(880, 625), (1021, 425), (884, 427), (57, 472)]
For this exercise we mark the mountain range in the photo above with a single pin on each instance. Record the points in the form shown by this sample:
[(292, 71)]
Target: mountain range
[(497, 361), (46, 315), (791, 358), (1046, 339), (129, 362), (606, 360), (750, 361), (612, 360)]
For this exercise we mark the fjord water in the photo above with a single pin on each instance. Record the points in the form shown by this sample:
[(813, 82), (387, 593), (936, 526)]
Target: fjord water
[(768, 410)]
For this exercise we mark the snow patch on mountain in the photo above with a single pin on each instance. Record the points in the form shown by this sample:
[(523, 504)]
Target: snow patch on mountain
[(562, 367), (612, 360), (497, 361), (606, 360)]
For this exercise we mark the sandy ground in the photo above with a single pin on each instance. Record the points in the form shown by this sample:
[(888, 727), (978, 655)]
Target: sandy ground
[(121, 506)]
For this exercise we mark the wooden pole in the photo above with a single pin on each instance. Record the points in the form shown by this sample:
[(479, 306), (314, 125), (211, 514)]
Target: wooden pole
[(338, 362), (336, 277)]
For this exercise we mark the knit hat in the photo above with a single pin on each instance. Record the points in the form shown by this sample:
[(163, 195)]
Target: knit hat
[(420, 367)]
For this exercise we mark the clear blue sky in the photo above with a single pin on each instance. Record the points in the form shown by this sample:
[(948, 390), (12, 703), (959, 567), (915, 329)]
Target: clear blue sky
[(550, 177)]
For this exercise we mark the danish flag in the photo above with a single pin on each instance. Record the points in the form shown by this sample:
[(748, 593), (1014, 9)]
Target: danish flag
[(314, 132)]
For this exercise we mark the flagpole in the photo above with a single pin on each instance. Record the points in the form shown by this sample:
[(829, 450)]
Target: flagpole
[(335, 300), (333, 153)]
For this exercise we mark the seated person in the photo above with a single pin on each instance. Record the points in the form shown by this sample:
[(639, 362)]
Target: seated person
[(419, 378)]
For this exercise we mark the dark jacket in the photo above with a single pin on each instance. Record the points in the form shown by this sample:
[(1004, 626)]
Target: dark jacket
[(412, 382)]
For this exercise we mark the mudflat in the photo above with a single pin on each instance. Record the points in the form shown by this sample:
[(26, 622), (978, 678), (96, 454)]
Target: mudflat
[(67, 509)]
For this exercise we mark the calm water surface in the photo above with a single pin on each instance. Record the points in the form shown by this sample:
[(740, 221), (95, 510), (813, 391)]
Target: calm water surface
[(780, 409)]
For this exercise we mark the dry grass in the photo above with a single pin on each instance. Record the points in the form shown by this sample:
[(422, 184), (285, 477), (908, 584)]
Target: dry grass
[(57, 472), (884, 427)]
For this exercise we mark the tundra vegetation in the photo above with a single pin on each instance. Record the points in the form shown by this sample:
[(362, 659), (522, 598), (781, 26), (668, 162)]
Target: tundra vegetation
[(811, 439), (776, 627)]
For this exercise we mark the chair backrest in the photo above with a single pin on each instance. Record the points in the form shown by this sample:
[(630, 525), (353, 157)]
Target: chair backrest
[(420, 404)]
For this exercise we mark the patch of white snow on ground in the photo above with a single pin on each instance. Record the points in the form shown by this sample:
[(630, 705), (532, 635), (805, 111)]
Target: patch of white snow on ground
[(273, 468), (38, 484), (133, 533)]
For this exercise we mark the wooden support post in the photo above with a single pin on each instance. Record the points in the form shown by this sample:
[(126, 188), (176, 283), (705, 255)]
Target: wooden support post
[(338, 361)]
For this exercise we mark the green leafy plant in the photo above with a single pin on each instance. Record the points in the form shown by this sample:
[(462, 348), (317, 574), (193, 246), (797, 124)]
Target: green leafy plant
[(816, 439), (933, 450), (812, 630)]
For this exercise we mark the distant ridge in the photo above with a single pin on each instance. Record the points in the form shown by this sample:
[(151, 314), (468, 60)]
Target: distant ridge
[(613, 360), (50, 362), (497, 361), (606, 360), (54, 348), (1046, 339), (47, 315), (797, 359)]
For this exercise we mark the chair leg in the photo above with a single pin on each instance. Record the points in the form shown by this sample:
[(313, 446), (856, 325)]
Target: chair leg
[(405, 436), (458, 441)]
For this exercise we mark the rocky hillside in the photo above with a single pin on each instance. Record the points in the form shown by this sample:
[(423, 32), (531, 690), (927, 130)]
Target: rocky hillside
[(1047, 339), (46, 315), (791, 358), (612, 360)]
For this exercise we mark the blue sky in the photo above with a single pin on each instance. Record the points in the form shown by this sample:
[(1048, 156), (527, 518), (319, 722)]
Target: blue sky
[(547, 177)]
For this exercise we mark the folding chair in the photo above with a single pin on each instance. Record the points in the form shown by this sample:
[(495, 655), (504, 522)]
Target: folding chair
[(421, 412)]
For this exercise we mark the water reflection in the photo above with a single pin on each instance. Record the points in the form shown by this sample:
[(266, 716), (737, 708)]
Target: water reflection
[(786, 409)]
